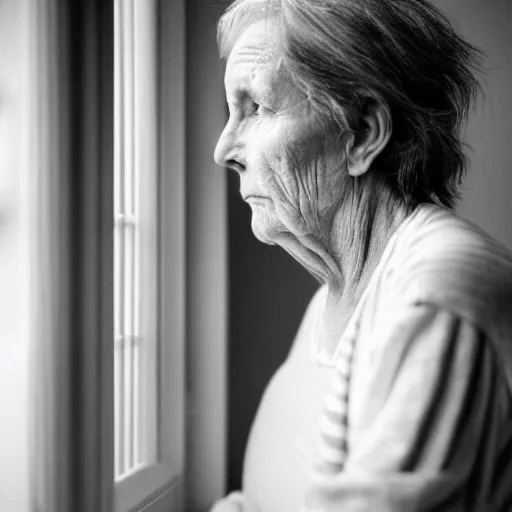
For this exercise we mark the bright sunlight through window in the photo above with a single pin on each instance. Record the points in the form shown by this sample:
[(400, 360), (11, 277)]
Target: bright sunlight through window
[(135, 264)]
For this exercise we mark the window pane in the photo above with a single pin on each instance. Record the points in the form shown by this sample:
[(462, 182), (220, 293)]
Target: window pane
[(135, 263)]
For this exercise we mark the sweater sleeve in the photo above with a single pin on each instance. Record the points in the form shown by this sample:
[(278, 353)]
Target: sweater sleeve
[(439, 403)]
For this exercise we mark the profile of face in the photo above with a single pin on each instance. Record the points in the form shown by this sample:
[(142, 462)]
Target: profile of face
[(289, 162)]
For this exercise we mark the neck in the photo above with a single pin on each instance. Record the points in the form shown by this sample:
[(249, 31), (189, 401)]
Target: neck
[(360, 231), (344, 257)]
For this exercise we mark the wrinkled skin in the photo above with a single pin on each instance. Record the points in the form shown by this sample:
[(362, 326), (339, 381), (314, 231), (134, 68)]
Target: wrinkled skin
[(290, 165), (307, 180)]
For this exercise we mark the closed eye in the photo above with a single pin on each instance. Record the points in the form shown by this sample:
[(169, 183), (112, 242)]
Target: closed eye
[(255, 107), (259, 109), (245, 109)]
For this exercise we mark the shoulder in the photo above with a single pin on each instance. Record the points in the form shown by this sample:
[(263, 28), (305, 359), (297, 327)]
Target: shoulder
[(447, 261), (439, 243)]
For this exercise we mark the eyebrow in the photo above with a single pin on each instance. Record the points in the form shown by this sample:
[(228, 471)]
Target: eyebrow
[(255, 53), (244, 87)]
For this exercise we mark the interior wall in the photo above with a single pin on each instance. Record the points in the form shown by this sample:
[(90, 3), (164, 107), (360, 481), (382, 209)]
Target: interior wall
[(486, 200), (269, 291), (206, 253)]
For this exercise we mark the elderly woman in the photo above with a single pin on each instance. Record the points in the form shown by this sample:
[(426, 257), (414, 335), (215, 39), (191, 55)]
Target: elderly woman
[(344, 129)]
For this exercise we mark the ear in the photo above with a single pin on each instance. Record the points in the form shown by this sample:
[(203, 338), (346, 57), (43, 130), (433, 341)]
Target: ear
[(369, 141)]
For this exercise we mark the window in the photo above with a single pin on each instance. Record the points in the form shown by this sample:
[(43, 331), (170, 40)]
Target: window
[(148, 273), (135, 244), (107, 98)]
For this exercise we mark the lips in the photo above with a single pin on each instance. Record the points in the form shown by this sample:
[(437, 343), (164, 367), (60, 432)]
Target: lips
[(255, 198), (247, 197)]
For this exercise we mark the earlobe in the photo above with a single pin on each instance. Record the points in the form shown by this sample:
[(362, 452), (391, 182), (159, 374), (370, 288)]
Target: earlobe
[(364, 147)]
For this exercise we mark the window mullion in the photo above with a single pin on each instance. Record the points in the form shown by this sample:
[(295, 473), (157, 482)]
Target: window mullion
[(127, 58)]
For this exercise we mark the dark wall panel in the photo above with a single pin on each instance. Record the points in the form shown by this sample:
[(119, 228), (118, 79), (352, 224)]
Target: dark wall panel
[(269, 292)]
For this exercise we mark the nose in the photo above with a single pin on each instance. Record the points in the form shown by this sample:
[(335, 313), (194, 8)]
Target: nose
[(229, 151)]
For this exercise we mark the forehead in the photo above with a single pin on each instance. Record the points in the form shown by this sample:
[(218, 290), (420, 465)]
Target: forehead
[(257, 49)]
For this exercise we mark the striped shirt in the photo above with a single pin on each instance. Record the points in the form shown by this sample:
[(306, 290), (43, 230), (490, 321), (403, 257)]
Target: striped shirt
[(413, 411)]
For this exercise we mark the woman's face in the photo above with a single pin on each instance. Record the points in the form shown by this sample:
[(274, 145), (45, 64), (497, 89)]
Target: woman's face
[(290, 164)]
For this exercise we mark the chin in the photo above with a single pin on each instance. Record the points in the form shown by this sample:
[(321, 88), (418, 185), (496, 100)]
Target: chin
[(265, 230)]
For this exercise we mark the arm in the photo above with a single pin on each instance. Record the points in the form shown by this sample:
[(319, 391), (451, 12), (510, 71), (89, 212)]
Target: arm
[(439, 397)]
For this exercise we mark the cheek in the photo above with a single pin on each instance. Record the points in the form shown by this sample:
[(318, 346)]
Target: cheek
[(316, 154), (299, 169), (277, 157), (290, 155), (280, 169), (266, 151)]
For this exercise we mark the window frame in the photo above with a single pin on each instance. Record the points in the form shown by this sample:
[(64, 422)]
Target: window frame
[(71, 114), (159, 140)]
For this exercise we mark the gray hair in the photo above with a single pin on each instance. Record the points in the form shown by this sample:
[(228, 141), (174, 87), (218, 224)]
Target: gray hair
[(403, 54)]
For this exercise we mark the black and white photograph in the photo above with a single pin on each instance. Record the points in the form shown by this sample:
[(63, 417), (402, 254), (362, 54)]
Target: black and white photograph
[(255, 256)]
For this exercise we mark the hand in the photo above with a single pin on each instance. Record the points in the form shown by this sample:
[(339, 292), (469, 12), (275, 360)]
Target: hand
[(234, 502)]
